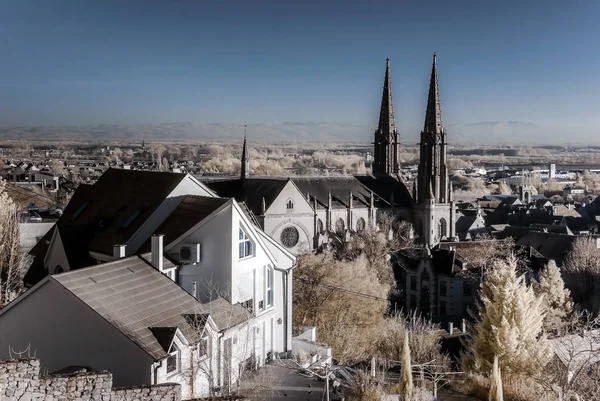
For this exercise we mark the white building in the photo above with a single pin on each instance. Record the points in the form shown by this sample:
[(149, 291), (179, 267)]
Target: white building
[(211, 247)]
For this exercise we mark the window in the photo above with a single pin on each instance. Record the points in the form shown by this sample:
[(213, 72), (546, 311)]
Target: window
[(269, 287), (131, 218), (443, 307), (443, 288), (360, 224), (203, 347), (261, 305), (246, 246), (80, 210), (172, 360), (340, 226), (58, 269), (289, 205), (413, 282), (466, 289), (319, 226), (289, 237), (413, 301)]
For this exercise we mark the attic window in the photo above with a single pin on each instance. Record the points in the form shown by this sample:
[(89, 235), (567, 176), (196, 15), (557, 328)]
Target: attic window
[(245, 245), (131, 218), (289, 205), (80, 210), (172, 363)]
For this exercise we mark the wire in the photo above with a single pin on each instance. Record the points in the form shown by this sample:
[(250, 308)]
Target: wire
[(333, 287)]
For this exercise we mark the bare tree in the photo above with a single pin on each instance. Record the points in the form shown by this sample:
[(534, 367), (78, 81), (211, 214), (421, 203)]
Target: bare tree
[(574, 371), (582, 272), (345, 300), (11, 258)]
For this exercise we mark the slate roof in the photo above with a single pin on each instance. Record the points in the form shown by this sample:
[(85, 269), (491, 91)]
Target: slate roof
[(118, 204), (138, 300), (191, 210), (550, 246), (251, 191)]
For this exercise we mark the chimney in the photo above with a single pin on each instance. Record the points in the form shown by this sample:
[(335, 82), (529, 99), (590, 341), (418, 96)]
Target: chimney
[(451, 328), (119, 251), (463, 326), (157, 251)]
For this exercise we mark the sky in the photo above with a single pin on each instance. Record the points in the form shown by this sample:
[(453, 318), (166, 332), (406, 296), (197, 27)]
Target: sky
[(238, 61)]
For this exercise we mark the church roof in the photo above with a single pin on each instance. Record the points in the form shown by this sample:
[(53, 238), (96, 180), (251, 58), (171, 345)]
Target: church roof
[(251, 190)]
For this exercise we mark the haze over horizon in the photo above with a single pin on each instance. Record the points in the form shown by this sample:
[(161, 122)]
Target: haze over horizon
[(235, 62)]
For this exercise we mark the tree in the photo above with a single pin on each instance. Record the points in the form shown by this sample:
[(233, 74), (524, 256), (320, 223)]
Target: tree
[(556, 297), (582, 272), (509, 324), (406, 384), (10, 249), (496, 382), (345, 300)]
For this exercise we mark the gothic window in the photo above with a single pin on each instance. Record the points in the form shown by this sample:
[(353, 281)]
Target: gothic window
[(319, 226), (360, 224), (442, 229), (289, 205), (289, 237), (340, 226)]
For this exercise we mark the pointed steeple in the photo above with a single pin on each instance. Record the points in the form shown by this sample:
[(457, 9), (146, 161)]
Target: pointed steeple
[(433, 115), (386, 136), (387, 122), (245, 164)]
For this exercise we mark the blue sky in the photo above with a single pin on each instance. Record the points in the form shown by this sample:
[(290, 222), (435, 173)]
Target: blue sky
[(220, 61)]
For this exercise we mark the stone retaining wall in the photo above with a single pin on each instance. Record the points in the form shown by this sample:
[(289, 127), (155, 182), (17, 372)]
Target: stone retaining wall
[(20, 380)]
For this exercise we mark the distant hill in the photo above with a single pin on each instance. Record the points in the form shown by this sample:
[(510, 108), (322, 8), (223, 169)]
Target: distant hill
[(513, 132)]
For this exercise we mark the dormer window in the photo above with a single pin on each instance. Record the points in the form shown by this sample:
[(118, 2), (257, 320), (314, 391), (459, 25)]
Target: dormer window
[(173, 360), (289, 205), (246, 247)]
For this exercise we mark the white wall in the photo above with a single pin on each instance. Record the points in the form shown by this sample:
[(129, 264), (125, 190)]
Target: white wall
[(278, 217), (31, 233), (62, 331)]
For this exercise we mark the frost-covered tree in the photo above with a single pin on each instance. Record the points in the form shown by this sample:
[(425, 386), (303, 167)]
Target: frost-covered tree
[(557, 298), (509, 324), (496, 393), (406, 384)]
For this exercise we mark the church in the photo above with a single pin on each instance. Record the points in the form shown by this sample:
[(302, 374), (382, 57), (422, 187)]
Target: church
[(304, 213)]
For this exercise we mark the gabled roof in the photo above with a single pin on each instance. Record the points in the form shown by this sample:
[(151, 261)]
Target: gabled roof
[(251, 191), (550, 246), (191, 210), (115, 207), (164, 336), (137, 300)]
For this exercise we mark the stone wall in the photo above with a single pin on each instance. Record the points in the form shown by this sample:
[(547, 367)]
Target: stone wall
[(20, 380)]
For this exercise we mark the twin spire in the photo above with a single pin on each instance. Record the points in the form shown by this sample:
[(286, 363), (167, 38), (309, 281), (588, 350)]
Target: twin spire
[(387, 121), (245, 164), (433, 115)]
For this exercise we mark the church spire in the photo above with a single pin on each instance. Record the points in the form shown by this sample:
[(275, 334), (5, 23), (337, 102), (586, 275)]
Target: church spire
[(245, 164), (433, 115), (387, 122), (386, 136)]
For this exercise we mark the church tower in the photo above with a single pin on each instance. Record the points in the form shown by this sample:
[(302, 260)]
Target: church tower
[(386, 136), (434, 193)]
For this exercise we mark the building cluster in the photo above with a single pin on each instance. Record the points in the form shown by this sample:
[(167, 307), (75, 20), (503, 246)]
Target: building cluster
[(159, 277)]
